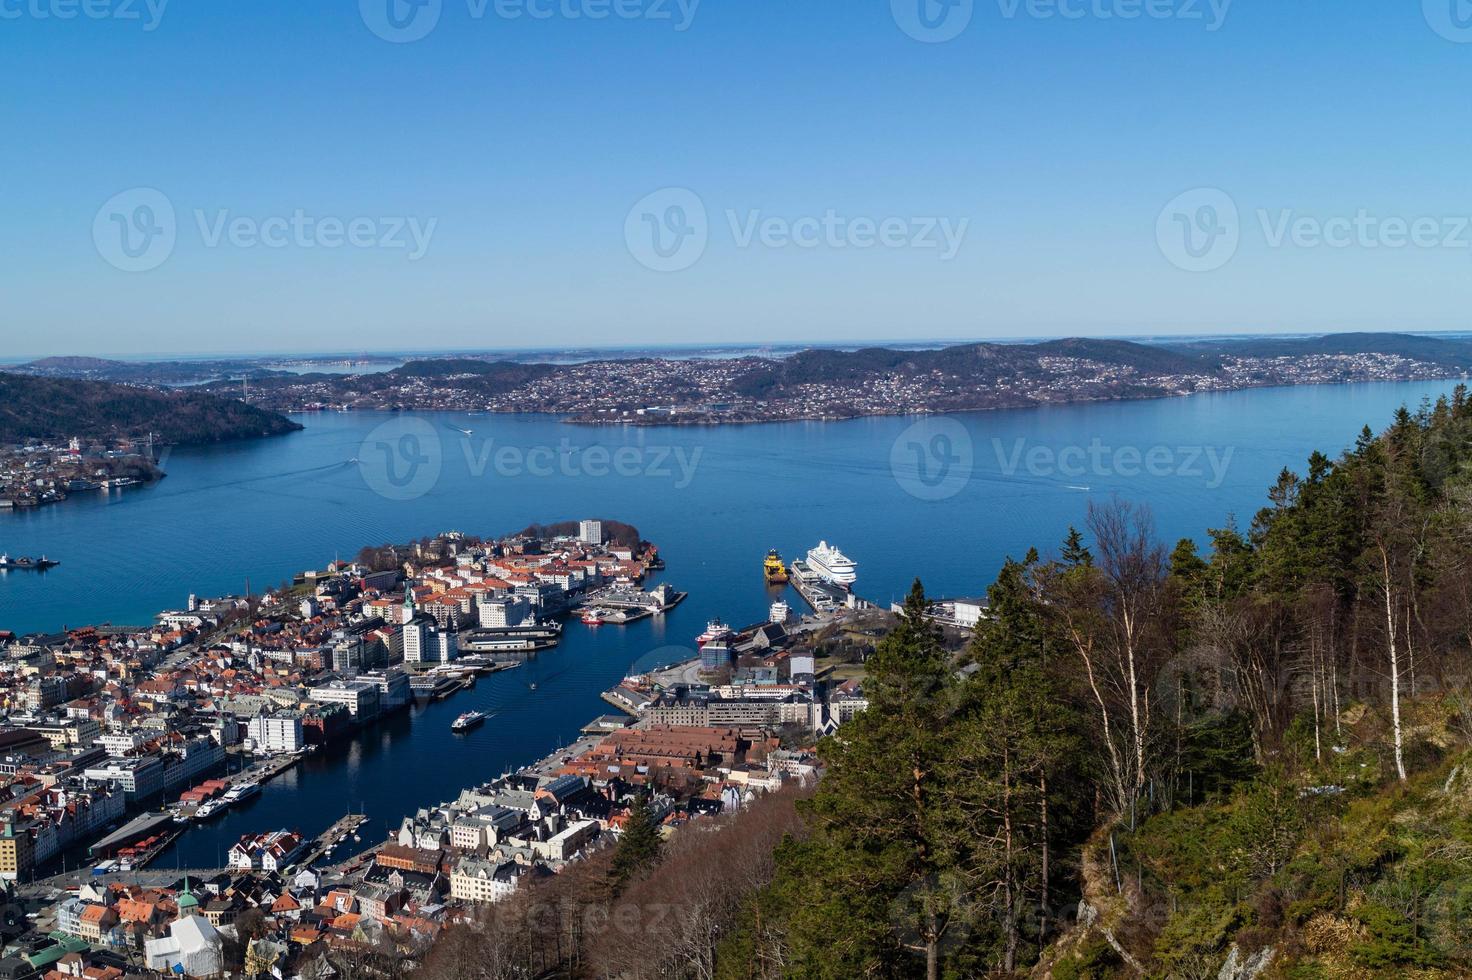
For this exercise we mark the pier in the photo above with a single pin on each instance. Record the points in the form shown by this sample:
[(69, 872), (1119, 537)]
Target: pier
[(324, 842)]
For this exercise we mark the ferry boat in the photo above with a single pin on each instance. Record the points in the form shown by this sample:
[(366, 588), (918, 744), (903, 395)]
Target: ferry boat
[(714, 630), (593, 616), (774, 569), (832, 564), (468, 721), (208, 809)]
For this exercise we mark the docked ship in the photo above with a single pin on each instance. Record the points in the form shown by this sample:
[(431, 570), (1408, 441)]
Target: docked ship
[(714, 630), (531, 629), (241, 792), (774, 569), (593, 616), (468, 721), (829, 563), (25, 562)]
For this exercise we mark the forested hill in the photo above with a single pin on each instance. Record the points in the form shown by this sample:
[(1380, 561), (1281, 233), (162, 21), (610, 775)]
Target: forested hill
[(1148, 762), (58, 408)]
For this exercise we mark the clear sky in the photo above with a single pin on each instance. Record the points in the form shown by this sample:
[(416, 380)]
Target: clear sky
[(337, 184)]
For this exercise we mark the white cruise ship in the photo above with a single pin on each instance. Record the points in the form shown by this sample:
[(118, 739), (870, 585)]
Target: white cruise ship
[(832, 564)]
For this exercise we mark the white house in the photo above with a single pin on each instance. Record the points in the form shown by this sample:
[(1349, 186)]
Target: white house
[(193, 948)]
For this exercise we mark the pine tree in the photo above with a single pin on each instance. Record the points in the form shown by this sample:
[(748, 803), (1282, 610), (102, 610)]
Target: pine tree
[(879, 877), (1075, 552), (638, 845)]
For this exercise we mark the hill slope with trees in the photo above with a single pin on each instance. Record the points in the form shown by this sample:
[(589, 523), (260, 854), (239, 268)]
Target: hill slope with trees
[(58, 408)]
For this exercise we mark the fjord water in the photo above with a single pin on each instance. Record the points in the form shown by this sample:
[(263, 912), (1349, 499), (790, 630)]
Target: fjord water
[(713, 498)]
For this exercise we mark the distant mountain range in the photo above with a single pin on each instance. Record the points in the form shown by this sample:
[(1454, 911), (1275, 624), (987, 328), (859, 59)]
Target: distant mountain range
[(58, 408), (811, 383)]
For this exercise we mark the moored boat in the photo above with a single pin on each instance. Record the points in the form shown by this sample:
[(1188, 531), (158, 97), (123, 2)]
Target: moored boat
[(714, 630), (831, 564)]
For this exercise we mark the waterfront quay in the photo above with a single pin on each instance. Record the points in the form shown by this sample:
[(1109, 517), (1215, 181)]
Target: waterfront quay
[(268, 679)]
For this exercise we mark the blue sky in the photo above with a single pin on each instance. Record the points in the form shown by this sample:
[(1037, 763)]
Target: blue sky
[(1064, 154)]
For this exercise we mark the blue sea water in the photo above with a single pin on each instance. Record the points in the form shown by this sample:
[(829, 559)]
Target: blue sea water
[(943, 499)]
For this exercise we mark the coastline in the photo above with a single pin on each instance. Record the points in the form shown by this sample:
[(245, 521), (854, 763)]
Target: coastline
[(693, 418)]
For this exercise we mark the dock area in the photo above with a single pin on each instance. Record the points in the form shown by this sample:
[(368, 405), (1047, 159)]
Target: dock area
[(321, 845), (633, 600)]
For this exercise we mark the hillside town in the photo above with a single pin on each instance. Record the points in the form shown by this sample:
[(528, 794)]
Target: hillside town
[(116, 740), (746, 388), (41, 472)]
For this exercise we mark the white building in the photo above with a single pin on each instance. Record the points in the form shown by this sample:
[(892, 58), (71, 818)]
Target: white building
[(393, 688), (504, 611), (474, 880), (968, 612), (590, 532), (359, 697), (266, 852), (276, 733), (192, 948)]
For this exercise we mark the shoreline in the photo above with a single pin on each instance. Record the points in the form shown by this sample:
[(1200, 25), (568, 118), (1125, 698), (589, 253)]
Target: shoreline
[(692, 418)]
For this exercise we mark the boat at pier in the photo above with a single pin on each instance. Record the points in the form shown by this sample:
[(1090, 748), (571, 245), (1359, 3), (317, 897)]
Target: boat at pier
[(241, 792), (714, 630), (593, 616), (774, 569), (833, 565)]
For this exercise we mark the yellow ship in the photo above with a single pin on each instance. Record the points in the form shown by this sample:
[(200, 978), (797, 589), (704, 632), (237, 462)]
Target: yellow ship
[(773, 568)]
